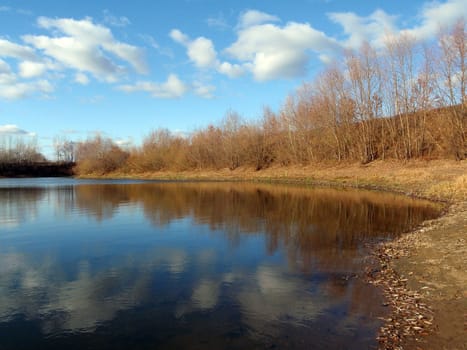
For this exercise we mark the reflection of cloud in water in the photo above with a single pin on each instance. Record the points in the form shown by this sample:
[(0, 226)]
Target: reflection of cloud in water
[(189, 276), (229, 278), (206, 257), (32, 280), (265, 298), (82, 302), (205, 294), (19, 282), (10, 262), (273, 296), (176, 261), (88, 300), (41, 290)]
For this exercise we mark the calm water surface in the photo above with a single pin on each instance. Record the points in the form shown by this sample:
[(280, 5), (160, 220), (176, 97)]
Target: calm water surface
[(152, 265)]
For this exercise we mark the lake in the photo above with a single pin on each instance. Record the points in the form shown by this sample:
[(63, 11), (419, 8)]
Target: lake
[(88, 264)]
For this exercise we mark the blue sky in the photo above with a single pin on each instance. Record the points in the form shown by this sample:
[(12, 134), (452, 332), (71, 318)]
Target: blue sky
[(123, 68)]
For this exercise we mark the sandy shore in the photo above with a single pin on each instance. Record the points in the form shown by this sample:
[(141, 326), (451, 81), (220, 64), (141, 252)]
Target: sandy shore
[(437, 267), (424, 279), (423, 273)]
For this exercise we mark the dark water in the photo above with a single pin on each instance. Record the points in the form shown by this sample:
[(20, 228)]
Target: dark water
[(134, 265)]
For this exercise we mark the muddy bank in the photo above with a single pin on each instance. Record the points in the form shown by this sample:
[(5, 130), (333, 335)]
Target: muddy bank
[(435, 266), (424, 279)]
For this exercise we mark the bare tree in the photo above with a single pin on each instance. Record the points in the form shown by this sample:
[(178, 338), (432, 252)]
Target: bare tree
[(232, 140), (335, 110), (453, 71), (64, 150), (365, 90), (400, 53), (99, 155), (20, 149)]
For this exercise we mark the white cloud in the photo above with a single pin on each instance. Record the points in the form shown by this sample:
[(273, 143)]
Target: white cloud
[(274, 52), (326, 59), (253, 17), (288, 64), (231, 70), (378, 26), (6, 77), (201, 51), (179, 37), (11, 129), (4, 67), (202, 54), (85, 46), (9, 49), (81, 78), (30, 69), (359, 29), (22, 90), (12, 89), (129, 53), (115, 21), (264, 47), (267, 50), (218, 21), (436, 16), (172, 88), (204, 91), (81, 45)]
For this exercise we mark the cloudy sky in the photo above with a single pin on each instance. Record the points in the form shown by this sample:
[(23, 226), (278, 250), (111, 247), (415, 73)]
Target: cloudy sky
[(123, 68)]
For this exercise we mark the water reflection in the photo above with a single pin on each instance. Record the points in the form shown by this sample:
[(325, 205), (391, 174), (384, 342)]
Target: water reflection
[(231, 265), (19, 205)]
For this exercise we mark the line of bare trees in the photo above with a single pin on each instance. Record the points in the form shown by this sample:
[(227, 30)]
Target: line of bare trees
[(405, 100), (15, 149)]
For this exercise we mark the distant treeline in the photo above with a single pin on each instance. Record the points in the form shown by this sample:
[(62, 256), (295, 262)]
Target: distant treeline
[(402, 101), (36, 169)]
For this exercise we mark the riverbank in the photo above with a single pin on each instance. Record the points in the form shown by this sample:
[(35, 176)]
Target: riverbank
[(424, 268)]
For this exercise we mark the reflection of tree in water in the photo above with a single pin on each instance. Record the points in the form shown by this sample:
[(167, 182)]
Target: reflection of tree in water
[(319, 231), (305, 221), (19, 205), (100, 201), (342, 217)]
